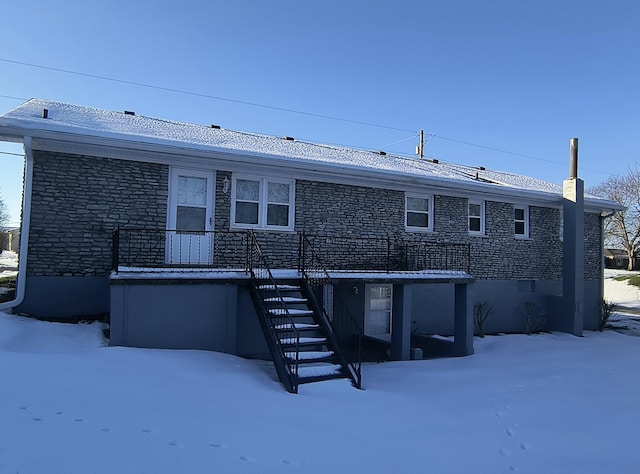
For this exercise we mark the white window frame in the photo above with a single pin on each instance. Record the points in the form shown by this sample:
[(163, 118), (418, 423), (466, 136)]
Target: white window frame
[(481, 216), (526, 221), (429, 213), (263, 202)]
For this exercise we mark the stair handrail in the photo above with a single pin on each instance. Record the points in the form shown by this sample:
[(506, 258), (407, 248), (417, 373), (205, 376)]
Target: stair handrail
[(307, 251), (291, 366)]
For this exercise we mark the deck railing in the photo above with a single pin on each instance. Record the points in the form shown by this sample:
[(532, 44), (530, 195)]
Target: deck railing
[(141, 249)]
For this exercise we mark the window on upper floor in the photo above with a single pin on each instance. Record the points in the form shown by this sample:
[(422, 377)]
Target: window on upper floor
[(476, 217), (262, 203), (521, 221), (418, 212)]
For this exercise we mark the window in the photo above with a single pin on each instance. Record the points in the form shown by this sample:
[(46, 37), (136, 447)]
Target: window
[(476, 217), (262, 203), (521, 221), (418, 213)]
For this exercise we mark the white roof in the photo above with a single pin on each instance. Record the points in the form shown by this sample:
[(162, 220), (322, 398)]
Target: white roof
[(66, 119)]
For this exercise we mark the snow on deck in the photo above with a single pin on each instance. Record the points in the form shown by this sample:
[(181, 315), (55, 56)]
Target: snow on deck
[(134, 273)]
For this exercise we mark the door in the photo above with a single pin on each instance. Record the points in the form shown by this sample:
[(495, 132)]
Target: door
[(377, 320), (190, 221)]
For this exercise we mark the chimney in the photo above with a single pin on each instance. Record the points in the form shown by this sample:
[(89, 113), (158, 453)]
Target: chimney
[(571, 319), (573, 164)]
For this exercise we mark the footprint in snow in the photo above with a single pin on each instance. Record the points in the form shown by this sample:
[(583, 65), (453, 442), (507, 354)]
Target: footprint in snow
[(146, 430), (504, 452), (525, 446), (105, 430), (216, 445), (37, 419), (173, 443), (510, 432), (78, 420), (247, 458), (23, 408)]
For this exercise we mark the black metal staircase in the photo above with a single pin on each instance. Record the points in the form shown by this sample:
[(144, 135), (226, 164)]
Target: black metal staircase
[(302, 342)]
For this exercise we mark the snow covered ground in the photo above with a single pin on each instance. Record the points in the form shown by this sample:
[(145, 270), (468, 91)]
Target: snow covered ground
[(549, 403)]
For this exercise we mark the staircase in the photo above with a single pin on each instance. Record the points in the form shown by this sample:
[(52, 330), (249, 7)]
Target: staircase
[(302, 342)]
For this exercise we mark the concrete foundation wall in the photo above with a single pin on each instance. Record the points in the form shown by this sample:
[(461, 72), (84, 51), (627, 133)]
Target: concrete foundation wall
[(433, 309), (215, 317), (66, 297)]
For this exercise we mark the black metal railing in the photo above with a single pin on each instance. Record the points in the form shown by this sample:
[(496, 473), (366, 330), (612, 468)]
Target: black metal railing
[(278, 325), (386, 254), (336, 317), (139, 249)]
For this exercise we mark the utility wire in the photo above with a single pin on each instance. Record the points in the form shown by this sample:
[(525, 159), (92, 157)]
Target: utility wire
[(281, 109), (14, 154), (206, 96)]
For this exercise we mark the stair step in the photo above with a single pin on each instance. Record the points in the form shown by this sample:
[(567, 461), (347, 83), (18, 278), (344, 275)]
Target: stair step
[(324, 370), (291, 327), (310, 356), (292, 312), (286, 299), (279, 287), (307, 341)]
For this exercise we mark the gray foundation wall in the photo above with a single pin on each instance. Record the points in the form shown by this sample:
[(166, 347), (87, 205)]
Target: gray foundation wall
[(216, 317), (432, 308), (66, 297)]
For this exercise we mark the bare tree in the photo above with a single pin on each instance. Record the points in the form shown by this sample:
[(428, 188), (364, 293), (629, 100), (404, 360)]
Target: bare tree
[(622, 229), (4, 220), (4, 214)]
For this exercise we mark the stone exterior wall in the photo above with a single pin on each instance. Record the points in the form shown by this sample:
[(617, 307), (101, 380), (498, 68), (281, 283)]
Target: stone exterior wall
[(77, 203), (79, 200)]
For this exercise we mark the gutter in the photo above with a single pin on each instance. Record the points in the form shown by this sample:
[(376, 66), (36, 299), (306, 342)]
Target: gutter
[(24, 228)]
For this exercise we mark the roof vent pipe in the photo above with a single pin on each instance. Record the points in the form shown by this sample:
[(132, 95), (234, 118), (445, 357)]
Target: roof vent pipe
[(45, 113), (129, 112), (288, 138), (217, 127), (573, 172)]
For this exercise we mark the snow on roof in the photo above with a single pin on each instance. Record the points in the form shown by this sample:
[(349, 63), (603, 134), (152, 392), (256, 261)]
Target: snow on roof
[(90, 122)]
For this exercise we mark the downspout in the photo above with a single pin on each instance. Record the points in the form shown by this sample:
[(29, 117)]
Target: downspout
[(24, 228)]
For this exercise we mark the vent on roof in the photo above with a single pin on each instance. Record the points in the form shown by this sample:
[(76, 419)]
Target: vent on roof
[(481, 168), (380, 152), (45, 113), (288, 138), (217, 127), (129, 112), (433, 160)]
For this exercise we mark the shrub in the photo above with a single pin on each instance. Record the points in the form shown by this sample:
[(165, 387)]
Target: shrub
[(535, 319), (607, 309), (481, 312)]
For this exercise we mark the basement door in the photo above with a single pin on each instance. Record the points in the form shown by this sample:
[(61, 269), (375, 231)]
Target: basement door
[(190, 218), (378, 309)]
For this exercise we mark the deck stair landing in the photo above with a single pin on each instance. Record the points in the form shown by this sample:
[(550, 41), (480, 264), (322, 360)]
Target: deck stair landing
[(299, 339)]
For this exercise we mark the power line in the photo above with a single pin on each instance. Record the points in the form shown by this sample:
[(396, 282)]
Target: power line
[(7, 153), (281, 109), (206, 96), (12, 97)]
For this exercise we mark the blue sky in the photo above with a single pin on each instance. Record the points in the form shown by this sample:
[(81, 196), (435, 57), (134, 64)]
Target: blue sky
[(521, 77)]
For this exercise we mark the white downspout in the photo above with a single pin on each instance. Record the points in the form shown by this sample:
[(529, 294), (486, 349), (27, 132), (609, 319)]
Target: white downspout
[(24, 228)]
